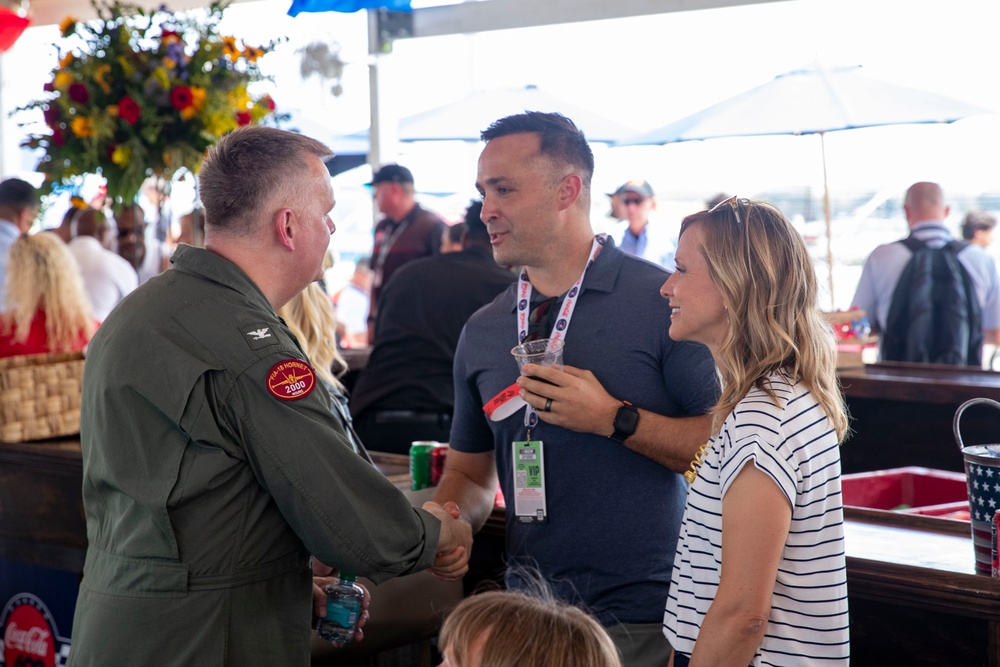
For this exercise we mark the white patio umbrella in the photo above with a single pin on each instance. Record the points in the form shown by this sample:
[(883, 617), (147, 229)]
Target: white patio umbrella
[(812, 100), (465, 119)]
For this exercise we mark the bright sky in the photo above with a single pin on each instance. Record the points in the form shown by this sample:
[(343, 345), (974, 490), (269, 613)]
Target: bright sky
[(646, 72)]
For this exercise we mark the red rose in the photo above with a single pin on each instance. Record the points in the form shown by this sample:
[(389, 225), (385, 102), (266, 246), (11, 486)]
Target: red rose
[(269, 102), (79, 93), (243, 118), (51, 115), (57, 137), (181, 98), (128, 110)]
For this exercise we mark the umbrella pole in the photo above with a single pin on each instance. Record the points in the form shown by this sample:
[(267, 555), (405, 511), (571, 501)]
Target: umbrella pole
[(829, 226)]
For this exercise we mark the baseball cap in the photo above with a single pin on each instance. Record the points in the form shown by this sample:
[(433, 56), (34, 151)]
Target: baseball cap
[(639, 187), (392, 173)]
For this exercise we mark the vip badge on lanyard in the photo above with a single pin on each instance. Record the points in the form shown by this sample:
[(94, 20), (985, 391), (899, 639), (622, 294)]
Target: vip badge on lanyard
[(529, 482), (527, 460)]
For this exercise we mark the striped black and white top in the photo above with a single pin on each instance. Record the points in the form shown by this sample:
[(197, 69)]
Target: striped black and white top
[(796, 445)]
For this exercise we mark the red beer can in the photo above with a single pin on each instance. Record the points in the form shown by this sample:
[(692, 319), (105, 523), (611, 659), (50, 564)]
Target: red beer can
[(438, 456)]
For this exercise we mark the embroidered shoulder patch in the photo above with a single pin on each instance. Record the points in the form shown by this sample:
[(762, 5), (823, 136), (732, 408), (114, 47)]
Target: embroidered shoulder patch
[(291, 380)]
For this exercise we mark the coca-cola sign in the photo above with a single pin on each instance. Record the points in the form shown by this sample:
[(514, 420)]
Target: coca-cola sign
[(29, 633)]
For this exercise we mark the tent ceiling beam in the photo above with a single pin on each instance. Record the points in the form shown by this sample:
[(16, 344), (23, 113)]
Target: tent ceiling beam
[(487, 15)]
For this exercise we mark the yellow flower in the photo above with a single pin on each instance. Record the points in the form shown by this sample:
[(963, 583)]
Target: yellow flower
[(112, 110), (65, 61), (169, 63), (229, 48), (253, 53), (77, 201), (161, 77), (126, 65), (62, 80), (67, 26), (238, 98), (82, 127), (121, 155), (197, 102), (99, 74), (217, 124)]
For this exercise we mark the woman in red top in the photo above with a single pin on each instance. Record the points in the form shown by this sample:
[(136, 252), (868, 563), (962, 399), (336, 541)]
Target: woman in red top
[(46, 307)]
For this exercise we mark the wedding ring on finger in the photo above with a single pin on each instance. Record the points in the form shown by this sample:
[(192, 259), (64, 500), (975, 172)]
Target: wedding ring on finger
[(548, 405)]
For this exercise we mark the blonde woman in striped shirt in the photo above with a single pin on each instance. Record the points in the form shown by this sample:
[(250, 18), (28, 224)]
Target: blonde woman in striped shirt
[(759, 577)]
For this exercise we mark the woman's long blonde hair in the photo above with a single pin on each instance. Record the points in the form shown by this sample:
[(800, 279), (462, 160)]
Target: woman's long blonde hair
[(768, 283), (311, 318), (42, 275)]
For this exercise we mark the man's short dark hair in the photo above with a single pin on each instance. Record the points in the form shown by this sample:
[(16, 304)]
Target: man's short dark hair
[(475, 228), (977, 221), (18, 195), (456, 232), (246, 167), (560, 139)]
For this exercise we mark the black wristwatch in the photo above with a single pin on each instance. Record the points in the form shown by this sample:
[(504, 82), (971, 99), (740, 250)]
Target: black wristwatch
[(626, 421)]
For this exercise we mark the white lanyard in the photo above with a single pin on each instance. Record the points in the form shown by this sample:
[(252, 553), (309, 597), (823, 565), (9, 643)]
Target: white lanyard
[(383, 251), (561, 325)]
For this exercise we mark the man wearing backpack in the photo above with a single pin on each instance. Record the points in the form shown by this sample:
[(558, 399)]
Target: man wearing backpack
[(930, 298)]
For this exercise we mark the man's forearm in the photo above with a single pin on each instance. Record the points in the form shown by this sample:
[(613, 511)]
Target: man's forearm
[(670, 441), (475, 499)]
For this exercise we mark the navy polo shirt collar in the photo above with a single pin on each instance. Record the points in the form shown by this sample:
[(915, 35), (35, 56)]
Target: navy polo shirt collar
[(601, 277)]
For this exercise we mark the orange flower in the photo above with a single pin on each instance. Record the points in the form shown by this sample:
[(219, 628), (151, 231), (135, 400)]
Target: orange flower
[(197, 102), (229, 48), (253, 53), (68, 26), (82, 127)]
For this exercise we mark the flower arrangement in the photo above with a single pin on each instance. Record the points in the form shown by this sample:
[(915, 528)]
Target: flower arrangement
[(139, 94)]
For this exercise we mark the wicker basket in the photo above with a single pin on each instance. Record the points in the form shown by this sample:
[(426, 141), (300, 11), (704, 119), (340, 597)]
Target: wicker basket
[(40, 396)]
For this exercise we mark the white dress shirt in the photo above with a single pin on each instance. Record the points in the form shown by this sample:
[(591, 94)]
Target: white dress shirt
[(107, 278), (8, 234)]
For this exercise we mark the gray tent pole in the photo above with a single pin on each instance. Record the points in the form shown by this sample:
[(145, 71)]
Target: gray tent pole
[(375, 115), (829, 226)]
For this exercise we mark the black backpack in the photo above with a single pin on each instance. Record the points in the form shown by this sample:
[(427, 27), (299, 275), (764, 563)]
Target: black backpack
[(935, 315)]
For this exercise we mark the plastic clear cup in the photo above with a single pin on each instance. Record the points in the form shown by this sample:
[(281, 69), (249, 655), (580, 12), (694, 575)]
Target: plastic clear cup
[(543, 352)]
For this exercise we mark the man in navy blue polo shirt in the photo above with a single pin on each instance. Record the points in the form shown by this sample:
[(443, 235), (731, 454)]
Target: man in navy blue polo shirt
[(588, 457)]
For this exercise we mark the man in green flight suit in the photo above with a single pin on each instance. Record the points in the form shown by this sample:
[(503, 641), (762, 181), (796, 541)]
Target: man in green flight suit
[(213, 466)]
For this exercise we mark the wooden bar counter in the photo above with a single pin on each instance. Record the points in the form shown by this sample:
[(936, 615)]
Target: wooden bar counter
[(914, 596), (41, 504), (902, 414)]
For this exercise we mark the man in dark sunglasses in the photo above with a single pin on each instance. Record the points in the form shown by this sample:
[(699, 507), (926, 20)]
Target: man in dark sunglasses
[(639, 235), (588, 455)]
